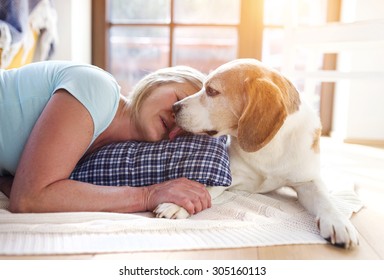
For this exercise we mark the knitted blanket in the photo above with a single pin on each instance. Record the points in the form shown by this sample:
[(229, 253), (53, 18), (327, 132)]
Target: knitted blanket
[(236, 219)]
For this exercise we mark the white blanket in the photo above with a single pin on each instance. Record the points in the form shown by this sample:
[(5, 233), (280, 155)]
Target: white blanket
[(236, 219)]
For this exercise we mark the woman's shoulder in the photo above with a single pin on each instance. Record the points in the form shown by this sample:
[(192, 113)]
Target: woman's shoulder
[(95, 88)]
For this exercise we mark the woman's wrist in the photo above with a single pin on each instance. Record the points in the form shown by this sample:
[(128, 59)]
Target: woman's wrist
[(145, 198), (138, 198)]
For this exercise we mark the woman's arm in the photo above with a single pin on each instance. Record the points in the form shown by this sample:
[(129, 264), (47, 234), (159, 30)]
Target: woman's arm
[(57, 142)]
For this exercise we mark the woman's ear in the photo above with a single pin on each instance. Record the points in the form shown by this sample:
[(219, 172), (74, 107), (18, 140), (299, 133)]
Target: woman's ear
[(264, 114)]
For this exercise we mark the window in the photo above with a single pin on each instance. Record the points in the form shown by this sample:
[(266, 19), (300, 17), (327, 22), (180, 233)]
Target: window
[(133, 37), (142, 36)]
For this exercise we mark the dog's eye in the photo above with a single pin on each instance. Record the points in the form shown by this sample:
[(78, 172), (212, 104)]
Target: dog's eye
[(211, 92)]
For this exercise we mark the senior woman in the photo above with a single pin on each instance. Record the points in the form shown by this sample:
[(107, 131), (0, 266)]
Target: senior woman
[(54, 113)]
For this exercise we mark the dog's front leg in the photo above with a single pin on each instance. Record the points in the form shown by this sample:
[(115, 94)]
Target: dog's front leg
[(333, 226), (170, 211)]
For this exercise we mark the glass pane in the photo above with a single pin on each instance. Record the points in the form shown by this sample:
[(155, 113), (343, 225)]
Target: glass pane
[(303, 12), (136, 51), (312, 12), (136, 11), (276, 12), (203, 11), (273, 44), (204, 48)]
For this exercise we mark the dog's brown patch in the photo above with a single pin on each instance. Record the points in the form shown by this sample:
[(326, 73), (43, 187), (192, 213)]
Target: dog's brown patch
[(290, 96), (316, 141), (263, 116)]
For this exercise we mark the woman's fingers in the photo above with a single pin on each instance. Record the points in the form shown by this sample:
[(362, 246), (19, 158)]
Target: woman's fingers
[(188, 194), (198, 198)]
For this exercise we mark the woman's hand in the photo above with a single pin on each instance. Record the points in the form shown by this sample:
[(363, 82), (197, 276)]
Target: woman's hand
[(190, 195)]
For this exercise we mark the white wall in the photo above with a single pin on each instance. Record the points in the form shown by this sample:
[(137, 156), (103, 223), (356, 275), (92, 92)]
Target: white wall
[(74, 29), (358, 110)]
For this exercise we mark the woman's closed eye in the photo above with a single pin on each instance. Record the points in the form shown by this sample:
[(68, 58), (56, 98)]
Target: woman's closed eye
[(177, 95)]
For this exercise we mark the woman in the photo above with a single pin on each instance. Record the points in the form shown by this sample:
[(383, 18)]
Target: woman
[(54, 113)]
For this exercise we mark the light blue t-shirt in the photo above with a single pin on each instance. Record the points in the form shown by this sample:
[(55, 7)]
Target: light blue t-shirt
[(25, 91)]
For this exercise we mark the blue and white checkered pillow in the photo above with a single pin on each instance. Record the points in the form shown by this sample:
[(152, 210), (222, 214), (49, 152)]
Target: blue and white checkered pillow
[(200, 158)]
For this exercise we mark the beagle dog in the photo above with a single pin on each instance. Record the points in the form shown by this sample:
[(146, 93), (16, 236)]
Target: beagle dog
[(274, 139)]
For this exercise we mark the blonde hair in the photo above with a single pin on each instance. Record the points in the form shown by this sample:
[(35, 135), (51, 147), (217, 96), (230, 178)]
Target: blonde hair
[(175, 74)]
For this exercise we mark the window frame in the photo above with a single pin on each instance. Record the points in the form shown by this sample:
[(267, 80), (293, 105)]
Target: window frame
[(250, 30)]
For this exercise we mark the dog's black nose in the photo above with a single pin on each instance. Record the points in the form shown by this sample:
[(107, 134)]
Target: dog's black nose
[(176, 107)]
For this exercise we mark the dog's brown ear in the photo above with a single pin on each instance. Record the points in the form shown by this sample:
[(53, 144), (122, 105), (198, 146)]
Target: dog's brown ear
[(291, 96), (263, 116)]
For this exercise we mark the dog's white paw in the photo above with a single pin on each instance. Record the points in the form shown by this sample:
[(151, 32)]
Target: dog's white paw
[(339, 231), (170, 211)]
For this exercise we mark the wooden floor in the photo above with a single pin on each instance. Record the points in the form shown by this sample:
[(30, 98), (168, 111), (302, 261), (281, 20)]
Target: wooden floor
[(365, 165)]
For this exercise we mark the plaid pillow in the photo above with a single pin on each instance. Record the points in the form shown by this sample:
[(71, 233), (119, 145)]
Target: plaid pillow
[(200, 158)]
